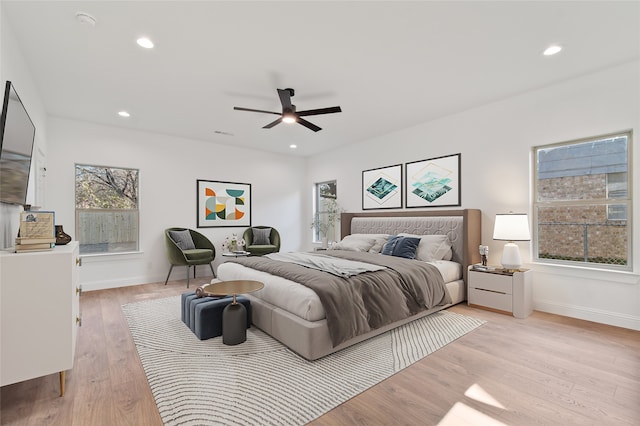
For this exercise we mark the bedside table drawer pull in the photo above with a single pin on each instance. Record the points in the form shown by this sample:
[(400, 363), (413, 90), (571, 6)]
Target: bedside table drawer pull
[(491, 291)]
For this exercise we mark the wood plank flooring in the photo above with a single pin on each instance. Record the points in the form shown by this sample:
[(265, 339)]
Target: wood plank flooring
[(543, 370)]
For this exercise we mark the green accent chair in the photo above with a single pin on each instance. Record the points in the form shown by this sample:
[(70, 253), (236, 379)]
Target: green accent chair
[(261, 249), (202, 253)]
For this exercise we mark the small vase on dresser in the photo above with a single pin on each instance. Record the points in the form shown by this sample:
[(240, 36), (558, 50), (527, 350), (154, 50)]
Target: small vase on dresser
[(62, 238)]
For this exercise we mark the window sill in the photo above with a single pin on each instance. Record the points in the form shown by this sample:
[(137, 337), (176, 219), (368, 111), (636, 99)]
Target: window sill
[(623, 277), (104, 257)]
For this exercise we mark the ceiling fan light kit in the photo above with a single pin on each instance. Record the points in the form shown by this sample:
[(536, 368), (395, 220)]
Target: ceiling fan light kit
[(289, 113)]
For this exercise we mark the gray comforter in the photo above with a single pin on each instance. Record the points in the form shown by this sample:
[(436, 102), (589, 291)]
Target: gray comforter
[(369, 300)]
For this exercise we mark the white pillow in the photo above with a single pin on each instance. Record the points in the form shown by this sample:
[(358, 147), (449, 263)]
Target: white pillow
[(381, 240), (432, 247), (356, 242)]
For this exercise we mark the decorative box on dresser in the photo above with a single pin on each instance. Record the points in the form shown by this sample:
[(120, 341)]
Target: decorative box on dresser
[(40, 312), (501, 291)]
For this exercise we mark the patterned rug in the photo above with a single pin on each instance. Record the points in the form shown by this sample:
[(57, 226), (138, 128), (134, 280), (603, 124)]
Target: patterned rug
[(262, 382)]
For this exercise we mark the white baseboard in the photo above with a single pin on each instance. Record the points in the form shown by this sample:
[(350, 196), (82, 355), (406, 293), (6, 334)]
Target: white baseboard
[(129, 281), (588, 314)]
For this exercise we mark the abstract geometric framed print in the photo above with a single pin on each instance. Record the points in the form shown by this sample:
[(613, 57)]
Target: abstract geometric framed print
[(223, 204)]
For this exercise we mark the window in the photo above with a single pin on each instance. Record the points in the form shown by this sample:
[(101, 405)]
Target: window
[(617, 188), (106, 209), (324, 204), (582, 202)]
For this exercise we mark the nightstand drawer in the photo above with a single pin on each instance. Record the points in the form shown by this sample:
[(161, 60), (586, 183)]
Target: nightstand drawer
[(491, 299), (493, 282)]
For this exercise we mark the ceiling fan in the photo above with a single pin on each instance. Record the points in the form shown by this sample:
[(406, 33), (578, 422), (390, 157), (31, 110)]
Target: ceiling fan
[(289, 113)]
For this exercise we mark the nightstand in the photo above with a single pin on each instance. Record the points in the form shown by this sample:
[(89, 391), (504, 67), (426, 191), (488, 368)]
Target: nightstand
[(501, 291)]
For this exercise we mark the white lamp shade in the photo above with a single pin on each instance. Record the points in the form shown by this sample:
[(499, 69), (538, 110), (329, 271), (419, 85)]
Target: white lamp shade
[(511, 227)]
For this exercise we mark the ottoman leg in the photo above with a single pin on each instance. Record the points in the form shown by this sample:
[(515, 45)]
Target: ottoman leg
[(234, 324)]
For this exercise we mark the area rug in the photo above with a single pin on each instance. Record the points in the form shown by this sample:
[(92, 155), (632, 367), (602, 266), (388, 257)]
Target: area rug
[(261, 382)]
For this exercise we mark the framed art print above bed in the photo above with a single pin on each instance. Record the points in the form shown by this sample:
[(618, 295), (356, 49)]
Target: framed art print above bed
[(223, 204), (382, 188), (434, 182)]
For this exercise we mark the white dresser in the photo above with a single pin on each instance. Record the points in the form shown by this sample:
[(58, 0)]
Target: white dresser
[(40, 312)]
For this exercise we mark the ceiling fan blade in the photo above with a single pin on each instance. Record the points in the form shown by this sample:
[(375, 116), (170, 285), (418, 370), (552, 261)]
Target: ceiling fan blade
[(256, 110), (318, 111), (285, 99), (308, 125), (273, 123)]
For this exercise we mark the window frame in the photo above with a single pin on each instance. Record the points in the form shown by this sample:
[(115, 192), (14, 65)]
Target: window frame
[(78, 211), (606, 202), (316, 238)]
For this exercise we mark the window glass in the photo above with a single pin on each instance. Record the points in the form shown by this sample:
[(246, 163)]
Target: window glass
[(582, 202), (106, 209), (325, 204)]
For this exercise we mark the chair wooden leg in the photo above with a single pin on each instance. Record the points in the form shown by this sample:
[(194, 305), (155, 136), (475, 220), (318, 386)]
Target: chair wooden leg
[(165, 281), (212, 271), (188, 267)]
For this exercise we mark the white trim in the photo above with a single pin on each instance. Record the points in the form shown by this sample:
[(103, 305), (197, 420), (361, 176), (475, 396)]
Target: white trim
[(141, 280), (588, 314), (621, 277), (108, 256)]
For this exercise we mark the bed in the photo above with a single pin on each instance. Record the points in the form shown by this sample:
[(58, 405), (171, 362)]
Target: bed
[(293, 314)]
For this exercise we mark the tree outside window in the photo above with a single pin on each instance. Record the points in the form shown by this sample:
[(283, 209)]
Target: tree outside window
[(107, 217), (326, 212)]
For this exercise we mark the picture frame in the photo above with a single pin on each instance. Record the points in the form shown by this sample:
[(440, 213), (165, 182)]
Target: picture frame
[(434, 182), (382, 188), (37, 224), (223, 204)]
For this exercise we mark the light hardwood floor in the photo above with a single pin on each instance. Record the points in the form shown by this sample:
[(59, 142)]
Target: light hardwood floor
[(545, 369)]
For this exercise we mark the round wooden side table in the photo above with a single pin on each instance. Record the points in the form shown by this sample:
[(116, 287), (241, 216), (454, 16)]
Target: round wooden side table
[(234, 315)]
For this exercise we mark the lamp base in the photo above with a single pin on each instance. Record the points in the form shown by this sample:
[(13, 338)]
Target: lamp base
[(511, 259)]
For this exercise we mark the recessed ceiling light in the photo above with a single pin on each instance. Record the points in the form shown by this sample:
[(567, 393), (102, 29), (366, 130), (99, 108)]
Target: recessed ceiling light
[(124, 114), (293, 146), (552, 50), (86, 19), (145, 42)]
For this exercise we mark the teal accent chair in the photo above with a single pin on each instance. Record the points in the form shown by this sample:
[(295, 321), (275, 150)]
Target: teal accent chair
[(261, 249), (203, 253)]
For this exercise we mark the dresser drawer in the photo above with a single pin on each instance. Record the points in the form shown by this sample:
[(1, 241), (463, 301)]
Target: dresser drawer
[(491, 299), (493, 282)]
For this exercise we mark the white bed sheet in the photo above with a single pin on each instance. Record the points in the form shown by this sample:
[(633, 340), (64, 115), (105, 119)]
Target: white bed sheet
[(304, 302)]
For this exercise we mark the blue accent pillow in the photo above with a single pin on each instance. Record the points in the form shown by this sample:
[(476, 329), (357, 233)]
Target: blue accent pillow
[(401, 247)]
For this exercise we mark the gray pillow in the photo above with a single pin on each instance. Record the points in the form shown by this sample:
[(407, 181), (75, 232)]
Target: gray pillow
[(261, 237), (182, 239)]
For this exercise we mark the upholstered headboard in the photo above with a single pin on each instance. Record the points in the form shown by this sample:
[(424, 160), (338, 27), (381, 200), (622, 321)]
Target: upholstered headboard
[(462, 227)]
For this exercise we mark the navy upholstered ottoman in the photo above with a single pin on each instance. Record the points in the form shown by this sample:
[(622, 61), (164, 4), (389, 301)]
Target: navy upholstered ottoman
[(204, 315)]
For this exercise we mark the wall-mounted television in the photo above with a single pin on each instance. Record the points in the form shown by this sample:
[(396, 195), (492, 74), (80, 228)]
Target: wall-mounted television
[(17, 134)]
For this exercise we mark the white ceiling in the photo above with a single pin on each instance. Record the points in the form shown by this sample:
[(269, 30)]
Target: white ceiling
[(389, 65)]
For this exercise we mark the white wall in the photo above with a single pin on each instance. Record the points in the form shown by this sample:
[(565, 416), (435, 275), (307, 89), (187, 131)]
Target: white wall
[(14, 68), (169, 167), (495, 141)]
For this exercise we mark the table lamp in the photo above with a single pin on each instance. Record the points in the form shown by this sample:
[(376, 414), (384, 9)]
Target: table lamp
[(511, 227)]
